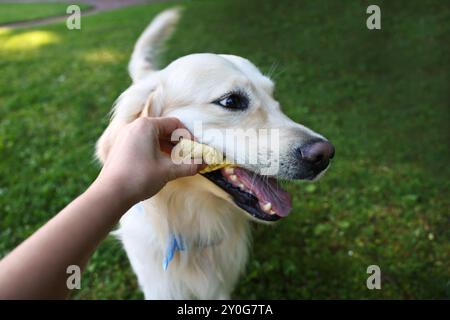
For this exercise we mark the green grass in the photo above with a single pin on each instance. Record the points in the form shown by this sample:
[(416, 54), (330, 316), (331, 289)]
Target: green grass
[(380, 96), (15, 12)]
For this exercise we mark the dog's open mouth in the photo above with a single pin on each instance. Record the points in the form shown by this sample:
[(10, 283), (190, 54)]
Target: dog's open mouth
[(260, 196)]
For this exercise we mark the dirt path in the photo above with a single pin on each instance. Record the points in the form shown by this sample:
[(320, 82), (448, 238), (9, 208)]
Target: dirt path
[(98, 6)]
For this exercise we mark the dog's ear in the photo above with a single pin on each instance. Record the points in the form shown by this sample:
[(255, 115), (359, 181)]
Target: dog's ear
[(136, 101)]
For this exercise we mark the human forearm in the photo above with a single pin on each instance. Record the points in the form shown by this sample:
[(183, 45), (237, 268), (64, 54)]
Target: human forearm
[(37, 268), (136, 168)]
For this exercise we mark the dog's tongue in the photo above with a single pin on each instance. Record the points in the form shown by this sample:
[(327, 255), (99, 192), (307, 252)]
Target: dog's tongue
[(267, 190)]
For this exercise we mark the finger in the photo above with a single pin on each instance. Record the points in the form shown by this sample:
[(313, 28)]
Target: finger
[(165, 146), (183, 170), (167, 125)]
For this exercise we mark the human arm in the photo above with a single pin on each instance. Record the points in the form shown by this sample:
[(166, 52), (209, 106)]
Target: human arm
[(135, 170)]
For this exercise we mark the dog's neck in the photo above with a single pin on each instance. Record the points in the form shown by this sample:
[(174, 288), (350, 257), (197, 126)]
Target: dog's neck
[(195, 209)]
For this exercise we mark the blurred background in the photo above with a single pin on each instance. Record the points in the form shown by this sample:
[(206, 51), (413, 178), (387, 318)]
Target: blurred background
[(381, 96)]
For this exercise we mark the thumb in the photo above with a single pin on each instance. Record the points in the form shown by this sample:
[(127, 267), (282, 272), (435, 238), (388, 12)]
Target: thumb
[(183, 169)]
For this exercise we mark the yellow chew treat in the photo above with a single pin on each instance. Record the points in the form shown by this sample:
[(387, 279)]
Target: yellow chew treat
[(210, 156)]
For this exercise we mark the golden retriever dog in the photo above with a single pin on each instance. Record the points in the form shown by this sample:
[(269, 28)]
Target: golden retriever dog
[(191, 240)]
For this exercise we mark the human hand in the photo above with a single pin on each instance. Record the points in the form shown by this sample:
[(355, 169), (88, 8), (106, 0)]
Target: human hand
[(136, 165)]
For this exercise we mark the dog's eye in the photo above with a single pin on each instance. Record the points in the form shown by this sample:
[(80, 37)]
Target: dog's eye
[(233, 101)]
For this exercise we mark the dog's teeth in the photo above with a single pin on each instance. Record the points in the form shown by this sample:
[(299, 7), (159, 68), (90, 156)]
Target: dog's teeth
[(241, 186), (233, 177), (267, 207), (229, 171), (272, 212)]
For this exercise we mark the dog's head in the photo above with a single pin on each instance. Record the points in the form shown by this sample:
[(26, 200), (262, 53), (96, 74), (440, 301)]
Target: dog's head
[(230, 98)]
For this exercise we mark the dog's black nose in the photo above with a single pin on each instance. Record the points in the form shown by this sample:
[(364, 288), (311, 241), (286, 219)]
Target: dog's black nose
[(317, 154)]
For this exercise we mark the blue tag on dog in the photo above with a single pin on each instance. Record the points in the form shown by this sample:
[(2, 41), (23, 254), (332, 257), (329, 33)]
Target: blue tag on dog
[(173, 246)]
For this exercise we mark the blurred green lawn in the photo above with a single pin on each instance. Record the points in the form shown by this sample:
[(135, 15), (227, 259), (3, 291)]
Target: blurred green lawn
[(380, 96), (14, 12)]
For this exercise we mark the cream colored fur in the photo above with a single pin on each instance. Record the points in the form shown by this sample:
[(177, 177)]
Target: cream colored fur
[(216, 231)]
